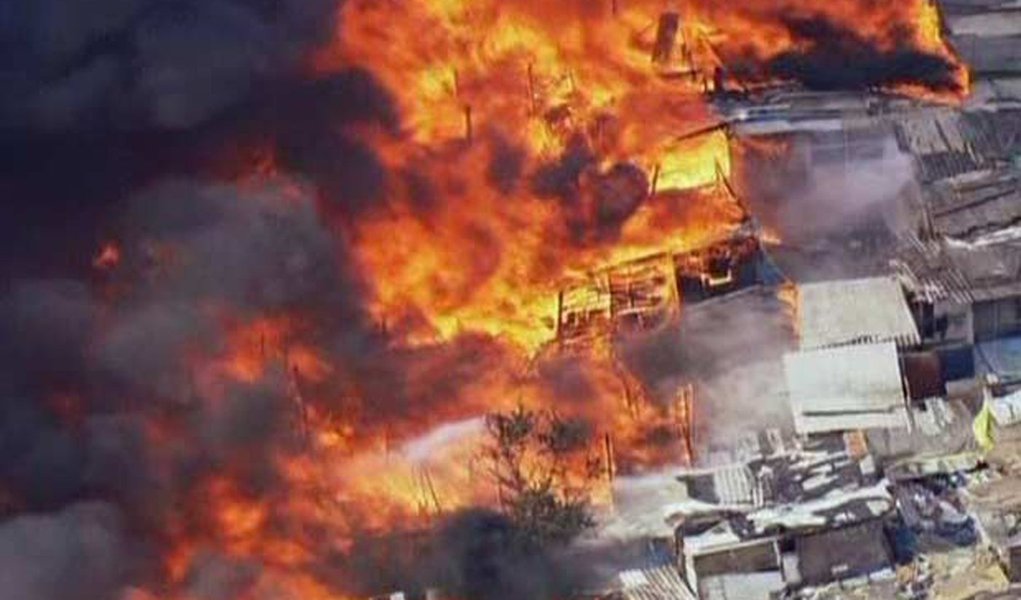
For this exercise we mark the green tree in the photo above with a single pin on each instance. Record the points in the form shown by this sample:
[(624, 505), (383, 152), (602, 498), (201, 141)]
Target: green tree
[(542, 468)]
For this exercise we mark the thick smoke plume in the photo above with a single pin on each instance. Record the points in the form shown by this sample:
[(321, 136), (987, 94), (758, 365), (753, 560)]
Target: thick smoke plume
[(124, 64), (217, 406), (731, 351), (832, 56)]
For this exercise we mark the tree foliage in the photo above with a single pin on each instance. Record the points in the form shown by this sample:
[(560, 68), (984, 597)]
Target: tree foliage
[(542, 468)]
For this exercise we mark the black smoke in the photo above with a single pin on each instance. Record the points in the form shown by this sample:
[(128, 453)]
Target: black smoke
[(129, 64), (102, 101), (595, 202), (831, 56), (485, 557)]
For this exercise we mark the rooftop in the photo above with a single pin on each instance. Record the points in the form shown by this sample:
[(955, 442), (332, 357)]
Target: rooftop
[(846, 388), (836, 313), (941, 269), (985, 33), (993, 23), (976, 206), (820, 483), (654, 583), (946, 143)]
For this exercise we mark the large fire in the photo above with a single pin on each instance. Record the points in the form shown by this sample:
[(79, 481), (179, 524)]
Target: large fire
[(539, 143)]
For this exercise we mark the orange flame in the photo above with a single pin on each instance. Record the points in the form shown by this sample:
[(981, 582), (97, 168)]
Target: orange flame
[(495, 98)]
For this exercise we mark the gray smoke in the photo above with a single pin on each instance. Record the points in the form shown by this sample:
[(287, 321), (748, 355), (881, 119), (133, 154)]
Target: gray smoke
[(834, 199), (131, 63), (731, 350), (79, 553)]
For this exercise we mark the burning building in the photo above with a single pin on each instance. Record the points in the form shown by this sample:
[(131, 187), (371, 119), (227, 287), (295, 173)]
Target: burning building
[(258, 362), (644, 293)]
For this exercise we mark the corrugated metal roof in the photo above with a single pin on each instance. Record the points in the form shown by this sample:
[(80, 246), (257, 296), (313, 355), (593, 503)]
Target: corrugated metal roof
[(846, 388), (742, 586), (836, 313), (940, 141), (938, 270), (985, 33), (976, 205), (929, 274), (654, 583), (734, 485), (958, 7), (947, 143)]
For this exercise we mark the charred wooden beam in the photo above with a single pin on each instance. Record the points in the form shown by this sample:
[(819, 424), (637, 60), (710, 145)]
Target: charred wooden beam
[(666, 37), (609, 457), (531, 90)]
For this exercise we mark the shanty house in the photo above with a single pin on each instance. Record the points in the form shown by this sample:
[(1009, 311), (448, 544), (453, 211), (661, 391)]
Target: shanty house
[(830, 538), (710, 559), (780, 519), (835, 554), (964, 294), (642, 294)]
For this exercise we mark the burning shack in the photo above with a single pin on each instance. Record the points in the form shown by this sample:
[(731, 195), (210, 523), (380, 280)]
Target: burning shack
[(642, 294)]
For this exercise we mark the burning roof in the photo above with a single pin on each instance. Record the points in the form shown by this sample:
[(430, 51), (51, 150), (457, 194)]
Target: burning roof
[(646, 293), (325, 253)]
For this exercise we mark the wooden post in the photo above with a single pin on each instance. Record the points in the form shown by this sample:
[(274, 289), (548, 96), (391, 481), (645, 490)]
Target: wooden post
[(611, 466), (428, 481), (655, 180), (299, 399), (685, 407), (560, 314), (666, 37), (531, 90)]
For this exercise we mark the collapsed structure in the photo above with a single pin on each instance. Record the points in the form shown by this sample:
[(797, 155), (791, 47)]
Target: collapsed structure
[(644, 293)]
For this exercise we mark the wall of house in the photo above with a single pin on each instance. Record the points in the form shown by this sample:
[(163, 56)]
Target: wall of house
[(750, 558), (997, 318), (842, 553), (944, 323)]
